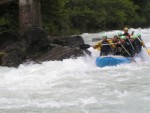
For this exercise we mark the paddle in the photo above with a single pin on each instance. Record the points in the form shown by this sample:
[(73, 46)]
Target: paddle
[(130, 41), (98, 39), (86, 46), (132, 33), (127, 52), (148, 51), (125, 49), (131, 44)]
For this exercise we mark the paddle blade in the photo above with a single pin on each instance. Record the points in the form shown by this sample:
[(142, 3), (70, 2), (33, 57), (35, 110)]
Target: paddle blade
[(84, 46), (148, 51), (96, 39), (98, 48)]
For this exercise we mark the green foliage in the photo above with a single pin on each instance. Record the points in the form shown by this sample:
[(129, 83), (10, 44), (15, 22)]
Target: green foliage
[(63, 17), (3, 21), (9, 16), (78, 16), (141, 18)]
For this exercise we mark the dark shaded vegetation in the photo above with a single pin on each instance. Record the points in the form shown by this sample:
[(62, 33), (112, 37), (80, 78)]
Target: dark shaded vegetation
[(65, 17)]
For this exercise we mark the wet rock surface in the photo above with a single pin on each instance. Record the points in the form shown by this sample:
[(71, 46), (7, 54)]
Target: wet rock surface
[(35, 46)]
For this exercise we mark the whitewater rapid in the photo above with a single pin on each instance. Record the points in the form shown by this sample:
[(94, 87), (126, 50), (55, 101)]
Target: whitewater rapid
[(77, 85)]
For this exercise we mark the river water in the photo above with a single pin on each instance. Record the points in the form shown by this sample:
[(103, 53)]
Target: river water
[(77, 85)]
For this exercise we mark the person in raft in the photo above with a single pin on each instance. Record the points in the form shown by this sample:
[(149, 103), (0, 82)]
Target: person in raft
[(136, 46), (139, 41), (104, 46), (126, 32), (123, 48), (119, 34)]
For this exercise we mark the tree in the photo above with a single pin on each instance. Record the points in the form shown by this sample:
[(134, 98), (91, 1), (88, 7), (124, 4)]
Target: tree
[(9, 16)]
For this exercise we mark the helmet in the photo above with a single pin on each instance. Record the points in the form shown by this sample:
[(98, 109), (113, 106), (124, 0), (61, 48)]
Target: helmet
[(133, 37), (125, 29), (115, 36), (139, 35), (120, 34), (123, 37), (104, 35)]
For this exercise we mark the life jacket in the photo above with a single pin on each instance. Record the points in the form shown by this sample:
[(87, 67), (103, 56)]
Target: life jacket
[(137, 45), (105, 49), (129, 48), (114, 44), (99, 44), (120, 50)]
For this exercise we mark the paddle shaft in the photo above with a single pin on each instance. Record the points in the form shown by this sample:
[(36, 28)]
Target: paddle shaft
[(109, 44), (144, 45), (141, 42), (127, 52), (125, 49), (131, 44), (86, 46), (98, 39)]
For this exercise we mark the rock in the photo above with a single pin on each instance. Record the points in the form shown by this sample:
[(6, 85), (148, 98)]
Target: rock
[(7, 38), (35, 46), (36, 42), (60, 53), (70, 41), (2, 54), (11, 60), (10, 49), (14, 55)]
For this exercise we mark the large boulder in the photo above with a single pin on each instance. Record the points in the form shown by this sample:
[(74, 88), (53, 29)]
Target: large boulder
[(7, 38), (11, 50), (60, 53), (36, 42), (13, 55), (11, 60), (70, 41), (35, 46)]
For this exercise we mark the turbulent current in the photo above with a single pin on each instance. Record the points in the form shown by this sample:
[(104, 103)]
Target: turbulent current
[(77, 85)]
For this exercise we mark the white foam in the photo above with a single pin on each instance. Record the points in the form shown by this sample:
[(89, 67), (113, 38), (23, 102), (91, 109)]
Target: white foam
[(77, 84)]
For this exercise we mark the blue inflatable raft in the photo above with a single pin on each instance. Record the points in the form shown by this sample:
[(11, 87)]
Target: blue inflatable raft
[(111, 61)]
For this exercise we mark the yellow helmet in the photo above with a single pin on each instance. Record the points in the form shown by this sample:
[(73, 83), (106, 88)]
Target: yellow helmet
[(126, 29)]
